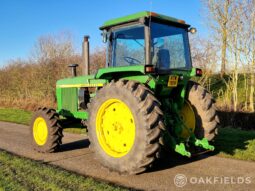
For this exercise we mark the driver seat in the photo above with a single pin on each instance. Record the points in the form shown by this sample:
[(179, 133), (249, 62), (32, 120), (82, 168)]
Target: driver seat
[(164, 58)]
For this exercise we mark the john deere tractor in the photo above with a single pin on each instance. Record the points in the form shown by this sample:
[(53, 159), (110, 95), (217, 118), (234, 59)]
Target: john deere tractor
[(142, 101)]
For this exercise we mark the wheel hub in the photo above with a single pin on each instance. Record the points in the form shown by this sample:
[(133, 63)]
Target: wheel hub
[(187, 115), (115, 128), (40, 131)]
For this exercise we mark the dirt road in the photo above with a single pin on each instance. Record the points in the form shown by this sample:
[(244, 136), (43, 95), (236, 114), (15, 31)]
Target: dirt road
[(203, 173)]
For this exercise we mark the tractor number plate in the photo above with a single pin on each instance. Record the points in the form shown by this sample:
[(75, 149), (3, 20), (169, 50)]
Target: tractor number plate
[(173, 81)]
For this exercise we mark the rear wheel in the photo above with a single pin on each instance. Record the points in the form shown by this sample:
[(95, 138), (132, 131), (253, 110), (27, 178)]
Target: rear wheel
[(45, 130), (124, 126), (202, 105)]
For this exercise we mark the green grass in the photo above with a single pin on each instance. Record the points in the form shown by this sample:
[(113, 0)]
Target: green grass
[(24, 117), (236, 143), (17, 173), (76, 130), (231, 143), (15, 116)]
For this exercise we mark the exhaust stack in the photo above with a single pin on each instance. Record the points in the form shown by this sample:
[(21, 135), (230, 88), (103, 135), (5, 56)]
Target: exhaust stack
[(85, 55)]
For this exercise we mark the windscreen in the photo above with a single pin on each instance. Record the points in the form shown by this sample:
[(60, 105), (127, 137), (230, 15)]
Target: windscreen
[(128, 46), (169, 47)]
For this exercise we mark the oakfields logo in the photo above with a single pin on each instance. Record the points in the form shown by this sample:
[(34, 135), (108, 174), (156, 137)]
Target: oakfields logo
[(181, 180)]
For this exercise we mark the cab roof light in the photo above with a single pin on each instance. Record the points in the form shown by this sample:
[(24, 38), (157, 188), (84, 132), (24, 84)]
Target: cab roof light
[(181, 21), (153, 14)]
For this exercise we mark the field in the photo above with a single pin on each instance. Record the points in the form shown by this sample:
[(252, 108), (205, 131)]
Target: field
[(17, 173)]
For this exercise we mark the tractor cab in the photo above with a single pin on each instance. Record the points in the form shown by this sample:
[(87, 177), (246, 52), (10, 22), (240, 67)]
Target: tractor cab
[(158, 42)]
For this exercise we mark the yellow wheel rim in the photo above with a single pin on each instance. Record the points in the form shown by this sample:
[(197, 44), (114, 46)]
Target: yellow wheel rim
[(40, 131), (115, 128), (188, 116)]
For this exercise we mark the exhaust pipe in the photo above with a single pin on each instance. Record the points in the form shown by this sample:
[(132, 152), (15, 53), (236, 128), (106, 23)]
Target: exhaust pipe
[(85, 55)]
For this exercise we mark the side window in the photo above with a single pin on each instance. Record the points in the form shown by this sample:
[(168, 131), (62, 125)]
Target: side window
[(128, 47)]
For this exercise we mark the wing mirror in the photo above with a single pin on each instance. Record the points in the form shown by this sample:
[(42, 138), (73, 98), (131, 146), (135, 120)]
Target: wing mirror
[(104, 35)]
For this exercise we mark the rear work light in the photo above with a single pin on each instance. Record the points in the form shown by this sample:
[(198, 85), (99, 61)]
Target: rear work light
[(149, 69), (199, 72)]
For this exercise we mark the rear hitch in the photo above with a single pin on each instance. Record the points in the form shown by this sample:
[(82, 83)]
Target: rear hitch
[(203, 143), (181, 149)]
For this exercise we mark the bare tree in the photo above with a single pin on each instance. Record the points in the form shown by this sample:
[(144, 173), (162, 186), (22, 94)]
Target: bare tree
[(98, 60), (251, 6), (204, 56), (34, 80), (219, 14)]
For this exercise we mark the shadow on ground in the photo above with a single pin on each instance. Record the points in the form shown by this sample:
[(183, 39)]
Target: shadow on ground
[(75, 145), (171, 159), (234, 142), (230, 140)]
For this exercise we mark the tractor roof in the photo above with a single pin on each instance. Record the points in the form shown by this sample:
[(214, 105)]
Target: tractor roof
[(137, 16)]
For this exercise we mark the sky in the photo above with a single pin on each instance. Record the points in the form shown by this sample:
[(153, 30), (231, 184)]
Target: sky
[(22, 22)]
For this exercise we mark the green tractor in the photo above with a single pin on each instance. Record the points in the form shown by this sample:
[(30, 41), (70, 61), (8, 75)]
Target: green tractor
[(141, 102)]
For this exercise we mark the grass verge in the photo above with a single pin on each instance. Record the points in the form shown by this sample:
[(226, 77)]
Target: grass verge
[(15, 115), (235, 143), (17, 173), (24, 117), (231, 143)]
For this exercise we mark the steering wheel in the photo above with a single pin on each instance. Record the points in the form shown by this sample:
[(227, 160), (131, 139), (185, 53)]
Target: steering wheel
[(131, 61)]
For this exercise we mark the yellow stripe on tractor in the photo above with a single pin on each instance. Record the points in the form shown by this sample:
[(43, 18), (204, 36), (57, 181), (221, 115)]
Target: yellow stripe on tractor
[(79, 85)]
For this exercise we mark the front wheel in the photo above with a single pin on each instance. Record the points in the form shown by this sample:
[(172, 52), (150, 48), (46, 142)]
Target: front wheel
[(45, 131)]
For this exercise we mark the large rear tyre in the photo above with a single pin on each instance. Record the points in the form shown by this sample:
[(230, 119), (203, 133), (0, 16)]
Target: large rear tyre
[(45, 131), (206, 118), (124, 127)]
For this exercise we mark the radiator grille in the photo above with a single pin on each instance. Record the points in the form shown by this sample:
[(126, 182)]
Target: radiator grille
[(70, 99)]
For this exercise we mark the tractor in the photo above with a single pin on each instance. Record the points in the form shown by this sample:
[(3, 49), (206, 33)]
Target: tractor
[(142, 103)]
